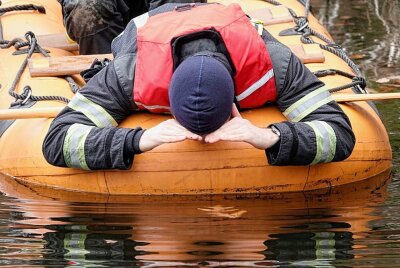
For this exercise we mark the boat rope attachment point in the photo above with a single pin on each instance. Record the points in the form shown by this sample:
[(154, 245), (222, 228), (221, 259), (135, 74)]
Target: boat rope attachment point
[(302, 28), (33, 46)]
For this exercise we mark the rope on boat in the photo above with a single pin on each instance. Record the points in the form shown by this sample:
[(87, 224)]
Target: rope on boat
[(302, 26), (27, 92), (19, 43), (4, 10), (1, 26), (40, 9), (357, 81), (1, 31), (16, 42), (333, 48), (72, 84), (33, 46)]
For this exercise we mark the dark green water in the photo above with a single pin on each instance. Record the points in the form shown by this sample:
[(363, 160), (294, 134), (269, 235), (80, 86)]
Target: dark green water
[(356, 226)]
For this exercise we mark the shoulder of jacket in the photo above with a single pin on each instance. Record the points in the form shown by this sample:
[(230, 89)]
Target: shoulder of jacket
[(124, 67), (278, 47)]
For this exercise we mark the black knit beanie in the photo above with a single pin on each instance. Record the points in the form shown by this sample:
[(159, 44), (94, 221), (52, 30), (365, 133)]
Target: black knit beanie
[(201, 94)]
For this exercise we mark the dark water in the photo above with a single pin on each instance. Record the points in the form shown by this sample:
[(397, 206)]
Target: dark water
[(355, 226)]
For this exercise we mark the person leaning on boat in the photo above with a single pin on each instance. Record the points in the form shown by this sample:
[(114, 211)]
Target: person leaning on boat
[(199, 70), (93, 24)]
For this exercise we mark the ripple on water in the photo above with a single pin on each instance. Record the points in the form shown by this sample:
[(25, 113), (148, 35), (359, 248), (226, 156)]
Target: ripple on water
[(345, 226)]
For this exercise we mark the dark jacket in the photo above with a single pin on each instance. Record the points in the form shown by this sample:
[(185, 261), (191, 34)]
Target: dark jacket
[(321, 134)]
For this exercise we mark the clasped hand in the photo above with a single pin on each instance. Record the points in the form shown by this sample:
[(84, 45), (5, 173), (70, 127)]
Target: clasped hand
[(236, 129)]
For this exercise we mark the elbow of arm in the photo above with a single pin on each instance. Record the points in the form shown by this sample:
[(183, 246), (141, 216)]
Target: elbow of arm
[(346, 146), (52, 148)]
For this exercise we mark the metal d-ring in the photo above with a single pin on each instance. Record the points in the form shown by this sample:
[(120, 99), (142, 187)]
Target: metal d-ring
[(28, 96)]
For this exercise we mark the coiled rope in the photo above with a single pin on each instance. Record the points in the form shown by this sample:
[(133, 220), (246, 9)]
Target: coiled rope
[(31, 42), (16, 42), (27, 91)]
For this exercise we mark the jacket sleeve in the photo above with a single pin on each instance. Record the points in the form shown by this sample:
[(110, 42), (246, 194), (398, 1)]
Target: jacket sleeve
[(317, 130), (85, 134)]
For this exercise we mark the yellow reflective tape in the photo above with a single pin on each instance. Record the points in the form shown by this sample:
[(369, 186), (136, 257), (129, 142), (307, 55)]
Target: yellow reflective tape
[(326, 141), (307, 104), (332, 142), (74, 146), (67, 141), (325, 245), (81, 161), (305, 98), (318, 138), (312, 108), (325, 254), (97, 114)]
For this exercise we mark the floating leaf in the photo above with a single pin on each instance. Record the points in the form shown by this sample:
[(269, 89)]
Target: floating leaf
[(389, 80), (357, 56), (224, 212)]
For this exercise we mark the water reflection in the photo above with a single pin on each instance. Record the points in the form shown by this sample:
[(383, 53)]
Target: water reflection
[(311, 247), (368, 29), (63, 228), (80, 246)]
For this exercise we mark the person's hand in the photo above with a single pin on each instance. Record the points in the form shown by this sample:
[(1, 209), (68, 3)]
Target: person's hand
[(168, 131), (239, 129)]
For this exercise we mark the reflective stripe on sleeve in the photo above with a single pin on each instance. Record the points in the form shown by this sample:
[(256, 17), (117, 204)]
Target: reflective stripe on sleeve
[(326, 141), (308, 104), (74, 146), (262, 81), (97, 114)]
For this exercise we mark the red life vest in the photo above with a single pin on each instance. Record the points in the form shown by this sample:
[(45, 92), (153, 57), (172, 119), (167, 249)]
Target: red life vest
[(254, 78)]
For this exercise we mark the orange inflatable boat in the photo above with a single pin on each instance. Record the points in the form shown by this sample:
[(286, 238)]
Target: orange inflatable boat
[(182, 168)]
